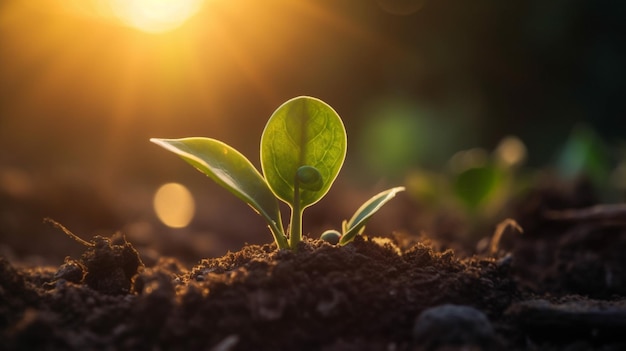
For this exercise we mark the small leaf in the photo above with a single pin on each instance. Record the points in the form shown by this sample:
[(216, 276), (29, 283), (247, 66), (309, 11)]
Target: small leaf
[(303, 131), (309, 178), (356, 224), (233, 171), (344, 226)]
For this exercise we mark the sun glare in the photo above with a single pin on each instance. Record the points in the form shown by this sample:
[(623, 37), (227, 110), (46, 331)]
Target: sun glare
[(121, 83), (155, 16)]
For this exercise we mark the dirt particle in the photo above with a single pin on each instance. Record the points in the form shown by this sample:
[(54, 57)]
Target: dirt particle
[(111, 265)]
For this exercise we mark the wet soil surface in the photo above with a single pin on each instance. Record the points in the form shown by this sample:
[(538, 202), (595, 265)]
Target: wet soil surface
[(561, 285)]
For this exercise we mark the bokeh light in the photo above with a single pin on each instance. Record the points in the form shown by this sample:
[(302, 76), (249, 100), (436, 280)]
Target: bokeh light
[(398, 134), (464, 160), (174, 205), (511, 151), (392, 144)]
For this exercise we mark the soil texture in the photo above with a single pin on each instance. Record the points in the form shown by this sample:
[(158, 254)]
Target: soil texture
[(561, 285)]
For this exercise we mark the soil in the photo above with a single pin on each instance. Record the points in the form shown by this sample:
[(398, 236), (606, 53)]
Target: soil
[(561, 285)]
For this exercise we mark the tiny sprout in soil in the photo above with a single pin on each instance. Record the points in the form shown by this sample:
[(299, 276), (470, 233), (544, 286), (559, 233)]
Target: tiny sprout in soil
[(303, 147)]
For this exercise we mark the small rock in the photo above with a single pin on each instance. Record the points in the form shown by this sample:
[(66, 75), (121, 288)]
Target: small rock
[(72, 271), (453, 325)]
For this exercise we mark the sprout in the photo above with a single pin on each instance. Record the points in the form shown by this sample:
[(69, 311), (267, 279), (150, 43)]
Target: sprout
[(303, 147), (331, 236)]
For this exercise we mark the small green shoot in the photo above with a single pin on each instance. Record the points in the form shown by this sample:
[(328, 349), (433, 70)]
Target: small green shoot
[(303, 147), (356, 224)]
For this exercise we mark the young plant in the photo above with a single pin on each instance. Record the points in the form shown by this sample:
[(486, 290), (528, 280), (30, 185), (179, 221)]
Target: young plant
[(356, 224), (303, 147)]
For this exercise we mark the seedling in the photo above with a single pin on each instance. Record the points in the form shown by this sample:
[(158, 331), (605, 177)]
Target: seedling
[(303, 147)]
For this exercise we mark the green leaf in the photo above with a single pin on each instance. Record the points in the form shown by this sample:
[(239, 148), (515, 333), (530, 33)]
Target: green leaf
[(303, 131), (356, 224), (233, 171)]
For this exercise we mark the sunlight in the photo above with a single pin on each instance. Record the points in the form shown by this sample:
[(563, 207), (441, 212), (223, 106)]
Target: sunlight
[(122, 84), (155, 16)]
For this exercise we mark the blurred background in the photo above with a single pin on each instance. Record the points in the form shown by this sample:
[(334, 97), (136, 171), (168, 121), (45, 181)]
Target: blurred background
[(455, 99)]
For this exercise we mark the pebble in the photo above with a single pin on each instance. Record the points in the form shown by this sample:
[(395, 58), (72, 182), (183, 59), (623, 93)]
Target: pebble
[(449, 326)]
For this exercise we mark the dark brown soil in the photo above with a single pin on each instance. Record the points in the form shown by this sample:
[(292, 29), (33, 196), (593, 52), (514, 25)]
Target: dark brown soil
[(559, 286)]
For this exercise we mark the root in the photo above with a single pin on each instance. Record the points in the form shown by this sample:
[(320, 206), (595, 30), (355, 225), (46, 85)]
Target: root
[(605, 212), (500, 229), (67, 232)]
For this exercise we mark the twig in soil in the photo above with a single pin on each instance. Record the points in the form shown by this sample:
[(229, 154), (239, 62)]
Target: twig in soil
[(66, 231), (604, 212), (500, 229)]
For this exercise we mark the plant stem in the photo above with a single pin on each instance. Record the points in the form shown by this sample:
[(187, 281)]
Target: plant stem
[(295, 227)]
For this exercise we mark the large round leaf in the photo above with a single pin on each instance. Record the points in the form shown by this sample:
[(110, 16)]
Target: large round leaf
[(303, 131)]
